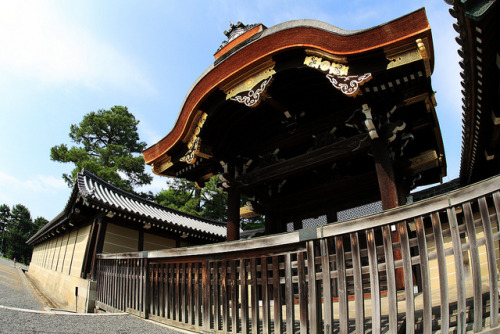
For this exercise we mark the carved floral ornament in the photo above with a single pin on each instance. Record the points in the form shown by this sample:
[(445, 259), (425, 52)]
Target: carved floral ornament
[(194, 143), (337, 74), (253, 84)]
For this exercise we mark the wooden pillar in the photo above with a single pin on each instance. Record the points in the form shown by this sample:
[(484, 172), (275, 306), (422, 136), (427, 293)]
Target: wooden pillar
[(385, 174), (89, 257), (390, 193), (233, 214), (101, 233)]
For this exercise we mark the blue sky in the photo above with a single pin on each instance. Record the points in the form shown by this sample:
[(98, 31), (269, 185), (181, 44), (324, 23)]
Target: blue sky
[(62, 59)]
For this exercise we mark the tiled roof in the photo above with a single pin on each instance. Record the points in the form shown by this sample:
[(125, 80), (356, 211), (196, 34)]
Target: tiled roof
[(101, 195), (99, 191), (477, 26)]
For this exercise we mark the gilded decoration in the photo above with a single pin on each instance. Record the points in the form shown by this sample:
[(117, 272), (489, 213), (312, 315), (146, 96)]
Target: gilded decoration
[(194, 143), (425, 55), (349, 84), (162, 166), (252, 97), (403, 58), (253, 84), (337, 74), (326, 66)]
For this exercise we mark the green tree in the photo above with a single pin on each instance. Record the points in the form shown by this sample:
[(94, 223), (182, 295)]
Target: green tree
[(20, 228), (182, 195), (4, 221), (108, 146), (208, 202)]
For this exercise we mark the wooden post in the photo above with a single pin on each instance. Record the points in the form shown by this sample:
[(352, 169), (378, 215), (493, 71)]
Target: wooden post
[(233, 214), (385, 174), (389, 192), (146, 286), (99, 243)]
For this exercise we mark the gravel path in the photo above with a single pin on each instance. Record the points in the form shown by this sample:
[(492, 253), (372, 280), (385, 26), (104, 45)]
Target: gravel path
[(23, 311), (14, 290), (14, 321)]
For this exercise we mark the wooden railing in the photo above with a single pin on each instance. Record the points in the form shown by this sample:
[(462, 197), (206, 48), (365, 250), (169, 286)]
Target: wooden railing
[(335, 278)]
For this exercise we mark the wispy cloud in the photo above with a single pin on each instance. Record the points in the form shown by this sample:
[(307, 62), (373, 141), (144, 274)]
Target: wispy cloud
[(38, 183), (38, 41)]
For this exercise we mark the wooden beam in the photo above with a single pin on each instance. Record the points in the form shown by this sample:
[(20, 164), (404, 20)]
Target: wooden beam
[(309, 160)]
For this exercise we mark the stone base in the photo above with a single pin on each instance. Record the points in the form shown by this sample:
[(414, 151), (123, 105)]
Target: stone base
[(66, 292)]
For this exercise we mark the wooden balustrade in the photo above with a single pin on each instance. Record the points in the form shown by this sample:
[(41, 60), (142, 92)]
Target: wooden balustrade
[(335, 278)]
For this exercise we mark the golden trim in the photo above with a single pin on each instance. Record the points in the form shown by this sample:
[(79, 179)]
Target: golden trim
[(247, 212), (195, 142), (249, 80), (326, 66), (422, 49), (162, 166), (425, 161), (403, 58), (193, 127), (326, 55)]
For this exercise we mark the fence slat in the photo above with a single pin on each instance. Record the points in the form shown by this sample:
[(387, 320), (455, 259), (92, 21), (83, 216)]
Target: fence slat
[(266, 320), (206, 295), (314, 292), (190, 307), (341, 283), (459, 269), (225, 300), (425, 274), (391, 279), (476, 268), (234, 297), (374, 281), (492, 267), (254, 288), (327, 288), (358, 284), (443, 274), (278, 317), (244, 297), (408, 277), (216, 296), (303, 302), (290, 307), (197, 295), (183, 292)]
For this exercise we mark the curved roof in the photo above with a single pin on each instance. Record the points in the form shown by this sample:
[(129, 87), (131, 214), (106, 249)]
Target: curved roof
[(288, 114), (299, 34)]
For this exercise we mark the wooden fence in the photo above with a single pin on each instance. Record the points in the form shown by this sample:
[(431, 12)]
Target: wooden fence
[(337, 278)]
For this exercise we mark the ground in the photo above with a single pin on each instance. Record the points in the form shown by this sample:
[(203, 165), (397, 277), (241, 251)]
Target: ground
[(22, 310)]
